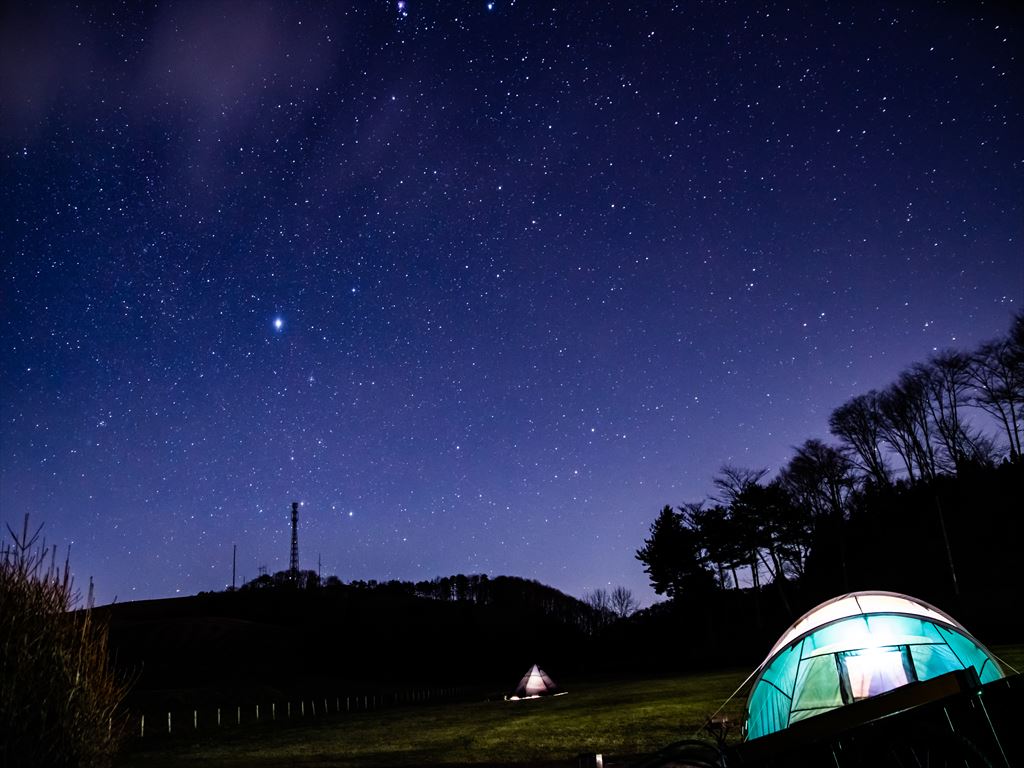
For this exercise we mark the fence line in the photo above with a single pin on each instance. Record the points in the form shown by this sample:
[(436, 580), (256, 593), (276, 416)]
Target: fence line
[(210, 719)]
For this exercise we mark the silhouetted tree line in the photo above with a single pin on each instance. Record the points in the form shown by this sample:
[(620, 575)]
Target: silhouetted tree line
[(303, 579), (609, 607), (478, 589), (584, 615), (913, 495)]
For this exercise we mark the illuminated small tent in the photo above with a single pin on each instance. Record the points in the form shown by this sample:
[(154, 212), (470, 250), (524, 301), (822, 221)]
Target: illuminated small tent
[(853, 647), (535, 683)]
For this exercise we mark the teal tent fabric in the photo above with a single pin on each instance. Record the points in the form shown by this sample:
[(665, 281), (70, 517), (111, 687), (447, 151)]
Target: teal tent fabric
[(854, 647)]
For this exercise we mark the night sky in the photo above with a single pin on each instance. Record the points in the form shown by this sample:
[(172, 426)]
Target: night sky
[(483, 285)]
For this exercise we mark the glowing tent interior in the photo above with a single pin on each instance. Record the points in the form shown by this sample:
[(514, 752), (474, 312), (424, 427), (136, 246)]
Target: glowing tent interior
[(535, 683), (853, 647)]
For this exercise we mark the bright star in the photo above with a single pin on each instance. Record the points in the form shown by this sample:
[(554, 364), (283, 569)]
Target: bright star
[(278, 323)]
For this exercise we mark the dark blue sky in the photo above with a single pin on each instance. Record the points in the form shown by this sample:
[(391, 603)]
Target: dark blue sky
[(483, 285)]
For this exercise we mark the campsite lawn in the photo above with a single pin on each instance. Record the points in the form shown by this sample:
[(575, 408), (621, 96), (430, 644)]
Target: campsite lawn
[(613, 718), (1011, 656), (616, 718)]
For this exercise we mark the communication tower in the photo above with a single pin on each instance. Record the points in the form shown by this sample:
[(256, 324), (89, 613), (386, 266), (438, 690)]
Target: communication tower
[(293, 567)]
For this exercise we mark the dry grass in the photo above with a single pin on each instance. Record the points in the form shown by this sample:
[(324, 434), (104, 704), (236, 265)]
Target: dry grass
[(58, 697)]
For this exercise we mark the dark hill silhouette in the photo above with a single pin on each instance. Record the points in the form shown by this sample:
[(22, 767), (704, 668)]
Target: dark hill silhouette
[(463, 630)]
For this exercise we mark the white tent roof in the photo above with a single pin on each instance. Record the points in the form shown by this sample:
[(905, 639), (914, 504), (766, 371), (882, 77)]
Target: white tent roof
[(856, 603), (535, 682), (854, 647)]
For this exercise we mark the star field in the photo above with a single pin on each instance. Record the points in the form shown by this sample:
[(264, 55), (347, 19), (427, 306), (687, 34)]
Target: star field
[(483, 285)]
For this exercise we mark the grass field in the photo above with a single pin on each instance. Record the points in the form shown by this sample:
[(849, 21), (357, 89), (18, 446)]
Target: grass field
[(613, 718), (616, 718)]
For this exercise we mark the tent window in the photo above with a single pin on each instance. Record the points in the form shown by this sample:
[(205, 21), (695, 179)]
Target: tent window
[(871, 671)]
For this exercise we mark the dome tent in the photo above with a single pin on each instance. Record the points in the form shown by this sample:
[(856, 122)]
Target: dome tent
[(853, 647)]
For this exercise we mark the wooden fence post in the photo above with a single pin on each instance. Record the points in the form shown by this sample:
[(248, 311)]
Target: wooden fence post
[(142, 727), (168, 722)]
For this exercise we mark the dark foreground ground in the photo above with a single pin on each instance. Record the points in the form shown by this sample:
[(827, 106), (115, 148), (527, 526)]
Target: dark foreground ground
[(614, 718), (620, 719)]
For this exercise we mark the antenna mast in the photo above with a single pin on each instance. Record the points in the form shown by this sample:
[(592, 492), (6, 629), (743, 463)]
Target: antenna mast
[(293, 568)]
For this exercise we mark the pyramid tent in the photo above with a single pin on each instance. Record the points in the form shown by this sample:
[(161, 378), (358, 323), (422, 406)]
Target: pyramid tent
[(853, 647), (535, 683)]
